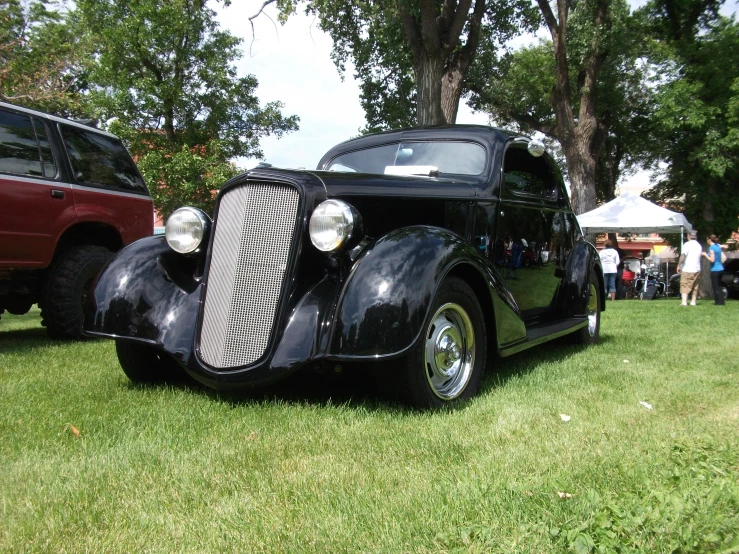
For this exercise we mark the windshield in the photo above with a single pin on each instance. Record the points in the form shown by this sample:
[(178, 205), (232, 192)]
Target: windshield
[(414, 158)]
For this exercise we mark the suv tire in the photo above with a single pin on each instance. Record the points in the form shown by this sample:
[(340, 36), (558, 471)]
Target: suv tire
[(67, 284)]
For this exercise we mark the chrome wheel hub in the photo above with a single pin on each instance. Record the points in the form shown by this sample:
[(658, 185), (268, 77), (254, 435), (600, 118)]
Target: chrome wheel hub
[(592, 310), (450, 351)]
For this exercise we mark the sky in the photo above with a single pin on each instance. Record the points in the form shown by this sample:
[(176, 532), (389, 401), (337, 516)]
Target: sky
[(292, 63)]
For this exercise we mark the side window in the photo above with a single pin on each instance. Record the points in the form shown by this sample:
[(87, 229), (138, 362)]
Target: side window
[(524, 182), (528, 177), (100, 160), (44, 146), (19, 149)]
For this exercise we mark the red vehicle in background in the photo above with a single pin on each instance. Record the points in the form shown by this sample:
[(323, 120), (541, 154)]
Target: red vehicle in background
[(70, 196)]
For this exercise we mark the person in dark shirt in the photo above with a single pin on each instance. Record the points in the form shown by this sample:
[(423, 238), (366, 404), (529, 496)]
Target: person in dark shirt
[(620, 273)]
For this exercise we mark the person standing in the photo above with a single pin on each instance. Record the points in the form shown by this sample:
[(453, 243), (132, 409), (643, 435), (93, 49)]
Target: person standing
[(620, 273), (689, 268), (610, 260), (717, 268)]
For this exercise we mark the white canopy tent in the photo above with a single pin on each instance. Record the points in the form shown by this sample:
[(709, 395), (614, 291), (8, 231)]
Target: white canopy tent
[(630, 213)]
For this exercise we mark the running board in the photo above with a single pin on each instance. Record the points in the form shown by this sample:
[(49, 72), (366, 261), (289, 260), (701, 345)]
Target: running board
[(544, 332)]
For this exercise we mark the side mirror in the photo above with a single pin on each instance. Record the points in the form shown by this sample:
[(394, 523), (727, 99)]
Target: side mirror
[(536, 148)]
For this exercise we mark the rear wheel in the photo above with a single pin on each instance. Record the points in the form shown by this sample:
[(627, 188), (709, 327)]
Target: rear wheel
[(447, 364), (144, 364), (591, 332), (66, 287)]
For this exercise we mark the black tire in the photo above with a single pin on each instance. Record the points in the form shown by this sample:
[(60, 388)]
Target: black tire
[(591, 332), (446, 366), (67, 284), (144, 364)]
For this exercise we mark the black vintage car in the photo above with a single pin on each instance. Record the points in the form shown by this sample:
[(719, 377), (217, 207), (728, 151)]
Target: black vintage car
[(730, 277), (404, 252)]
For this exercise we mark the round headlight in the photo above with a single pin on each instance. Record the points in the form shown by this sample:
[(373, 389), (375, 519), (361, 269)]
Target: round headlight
[(331, 225), (185, 229)]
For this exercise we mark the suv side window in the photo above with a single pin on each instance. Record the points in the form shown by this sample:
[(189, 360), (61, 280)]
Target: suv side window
[(44, 146), (101, 161), (19, 148)]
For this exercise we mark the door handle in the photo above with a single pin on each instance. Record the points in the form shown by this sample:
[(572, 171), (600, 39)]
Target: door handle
[(57, 193)]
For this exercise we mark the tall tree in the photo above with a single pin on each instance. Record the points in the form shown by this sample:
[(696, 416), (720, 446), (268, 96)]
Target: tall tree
[(411, 57), (697, 117), (43, 57), (562, 96), (165, 72)]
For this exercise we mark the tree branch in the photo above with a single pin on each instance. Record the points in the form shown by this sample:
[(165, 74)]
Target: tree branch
[(551, 21), (253, 17), (430, 32), (535, 124), (458, 19), (468, 51), (412, 32), (594, 60)]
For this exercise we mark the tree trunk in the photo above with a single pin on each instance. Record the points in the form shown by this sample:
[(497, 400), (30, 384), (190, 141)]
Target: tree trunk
[(581, 170), (705, 288), (451, 91), (169, 124), (429, 73)]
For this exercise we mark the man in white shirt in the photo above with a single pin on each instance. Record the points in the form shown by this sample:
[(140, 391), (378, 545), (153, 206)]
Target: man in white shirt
[(609, 259), (689, 268)]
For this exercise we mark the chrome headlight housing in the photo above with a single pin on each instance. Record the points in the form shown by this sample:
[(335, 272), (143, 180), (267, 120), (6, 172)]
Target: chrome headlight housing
[(334, 225), (185, 229)]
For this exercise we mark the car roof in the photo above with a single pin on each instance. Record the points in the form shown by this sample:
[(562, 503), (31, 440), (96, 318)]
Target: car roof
[(55, 118), (482, 133)]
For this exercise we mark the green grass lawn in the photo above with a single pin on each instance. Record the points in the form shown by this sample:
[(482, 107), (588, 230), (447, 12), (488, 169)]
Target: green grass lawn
[(90, 463)]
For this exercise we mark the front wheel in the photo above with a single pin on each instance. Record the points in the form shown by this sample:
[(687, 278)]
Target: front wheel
[(144, 364), (446, 365), (591, 332)]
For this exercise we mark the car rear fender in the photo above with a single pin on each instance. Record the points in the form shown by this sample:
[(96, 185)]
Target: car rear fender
[(583, 258)]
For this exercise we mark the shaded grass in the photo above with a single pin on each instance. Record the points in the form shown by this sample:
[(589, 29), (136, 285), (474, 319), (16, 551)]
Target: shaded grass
[(316, 465)]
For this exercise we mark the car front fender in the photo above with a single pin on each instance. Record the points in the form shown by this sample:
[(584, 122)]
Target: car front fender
[(386, 299), (146, 293)]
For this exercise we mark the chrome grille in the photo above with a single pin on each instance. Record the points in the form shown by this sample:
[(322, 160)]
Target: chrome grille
[(251, 248)]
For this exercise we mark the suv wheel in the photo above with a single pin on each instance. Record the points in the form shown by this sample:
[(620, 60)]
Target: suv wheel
[(67, 284), (447, 364)]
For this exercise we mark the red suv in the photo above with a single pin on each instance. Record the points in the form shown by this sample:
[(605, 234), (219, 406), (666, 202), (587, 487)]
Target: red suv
[(70, 196)]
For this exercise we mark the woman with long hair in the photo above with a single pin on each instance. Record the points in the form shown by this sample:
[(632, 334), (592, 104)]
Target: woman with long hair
[(717, 268)]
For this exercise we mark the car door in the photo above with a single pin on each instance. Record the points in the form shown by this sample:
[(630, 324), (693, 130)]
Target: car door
[(35, 206), (531, 242)]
